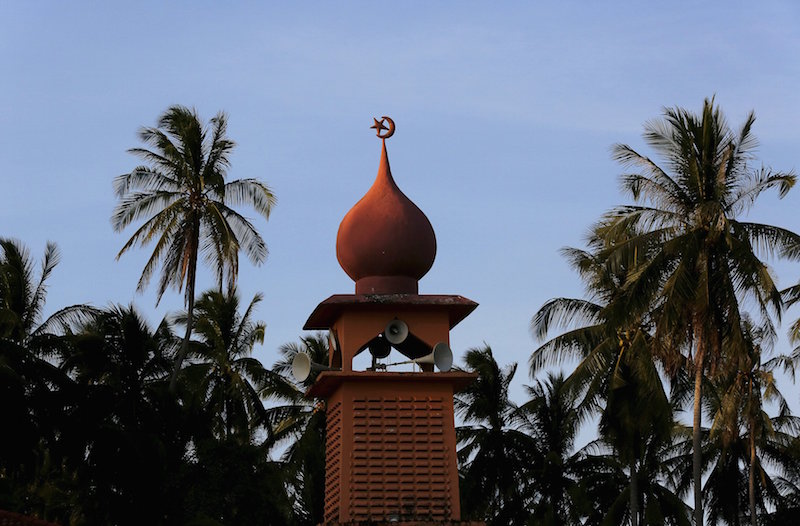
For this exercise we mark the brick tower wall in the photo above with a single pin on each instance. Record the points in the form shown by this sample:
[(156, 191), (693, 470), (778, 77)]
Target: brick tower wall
[(391, 453)]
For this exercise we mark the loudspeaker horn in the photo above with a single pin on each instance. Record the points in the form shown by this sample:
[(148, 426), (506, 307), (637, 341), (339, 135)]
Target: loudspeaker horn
[(402, 339), (441, 356), (379, 347), (333, 342), (396, 331), (302, 367)]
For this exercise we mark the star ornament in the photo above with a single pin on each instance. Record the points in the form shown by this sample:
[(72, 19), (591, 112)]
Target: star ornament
[(379, 127)]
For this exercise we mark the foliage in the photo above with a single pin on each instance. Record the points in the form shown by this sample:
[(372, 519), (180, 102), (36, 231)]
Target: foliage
[(693, 263), (495, 453), (183, 195), (301, 423), (223, 375), (187, 205)]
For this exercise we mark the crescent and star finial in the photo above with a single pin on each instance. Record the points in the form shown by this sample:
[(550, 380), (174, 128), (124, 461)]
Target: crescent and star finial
[(379, 126)]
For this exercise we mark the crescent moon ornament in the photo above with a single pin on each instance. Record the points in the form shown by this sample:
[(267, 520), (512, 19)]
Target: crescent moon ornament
[(379, 126)]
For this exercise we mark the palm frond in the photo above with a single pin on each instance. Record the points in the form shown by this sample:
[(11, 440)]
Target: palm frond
[(759, 182), (67, 319), (576, 343), (563, 312), (136, 205), (143, 178), (251, 241), (250, 192), (769, 240)]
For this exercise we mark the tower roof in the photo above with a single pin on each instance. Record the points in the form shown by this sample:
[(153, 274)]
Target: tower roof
[(385, 242)]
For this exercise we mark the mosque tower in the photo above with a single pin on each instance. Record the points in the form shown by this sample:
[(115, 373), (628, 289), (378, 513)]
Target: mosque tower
[(391, 442)]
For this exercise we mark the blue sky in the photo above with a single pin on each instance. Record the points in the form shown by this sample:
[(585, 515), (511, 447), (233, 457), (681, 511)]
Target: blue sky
[(505, 115)]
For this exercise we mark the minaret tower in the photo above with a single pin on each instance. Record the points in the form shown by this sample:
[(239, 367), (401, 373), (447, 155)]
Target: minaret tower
[(391, 443)]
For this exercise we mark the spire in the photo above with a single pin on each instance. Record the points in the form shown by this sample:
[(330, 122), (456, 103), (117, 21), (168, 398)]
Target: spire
[(385, 242)]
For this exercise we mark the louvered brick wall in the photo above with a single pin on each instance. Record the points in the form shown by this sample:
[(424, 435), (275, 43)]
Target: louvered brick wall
[(333, 461), (399, 463), (391, 452)]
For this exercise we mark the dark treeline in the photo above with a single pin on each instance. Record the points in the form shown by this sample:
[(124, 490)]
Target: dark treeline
[(108, 420), (93, 434)]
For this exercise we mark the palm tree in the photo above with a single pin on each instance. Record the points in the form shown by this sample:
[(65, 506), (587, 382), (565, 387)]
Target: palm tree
[(552, 421), (25, 341), (606, 480), (635, 420), (694, 261), (120, 433), (183, 195), (788, 511), (32, 387), (23, 296), (223, 374), (301, 423), (743, 434), (495, 455), (616, 374)]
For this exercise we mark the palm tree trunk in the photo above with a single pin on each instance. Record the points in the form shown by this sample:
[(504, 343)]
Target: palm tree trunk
[(190, 279), (634, 495), (697, 458), (752, 479)]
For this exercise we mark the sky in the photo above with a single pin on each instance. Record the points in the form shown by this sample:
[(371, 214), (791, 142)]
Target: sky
[(505, 114)]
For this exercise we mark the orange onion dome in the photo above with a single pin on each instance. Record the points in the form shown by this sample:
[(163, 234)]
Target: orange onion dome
[(385, 242)]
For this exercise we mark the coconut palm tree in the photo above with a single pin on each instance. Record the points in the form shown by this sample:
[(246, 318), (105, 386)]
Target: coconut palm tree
[(495, 454), (225, 376), (23, 297), (635, 420), (616, 374), (788, 511), (694, 260), (182, 194), (301, 423), (26, 342), (32, 387), (606, 480), (744, 435), (551, 422), (120, 432)]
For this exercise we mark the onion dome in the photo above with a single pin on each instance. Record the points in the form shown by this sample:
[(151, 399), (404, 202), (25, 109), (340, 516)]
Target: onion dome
[(385, 242)]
